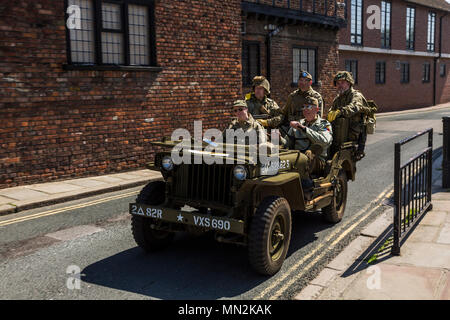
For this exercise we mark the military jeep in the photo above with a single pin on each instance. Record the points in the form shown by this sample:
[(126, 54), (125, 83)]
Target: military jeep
[(244, 204)]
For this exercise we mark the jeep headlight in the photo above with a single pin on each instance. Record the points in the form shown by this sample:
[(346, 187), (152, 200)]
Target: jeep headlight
[(240, 172), (167, 163)]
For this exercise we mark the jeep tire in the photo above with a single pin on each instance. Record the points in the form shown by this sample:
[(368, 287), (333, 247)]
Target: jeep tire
[(270, 235), (147, 238), (334, 212)]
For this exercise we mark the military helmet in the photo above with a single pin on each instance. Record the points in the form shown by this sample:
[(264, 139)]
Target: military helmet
[(311, 101), (344, 75), (239, 103), (261, 81), (305, 74)]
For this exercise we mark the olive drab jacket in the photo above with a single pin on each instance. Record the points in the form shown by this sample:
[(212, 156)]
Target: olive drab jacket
[(317, 132), (352, 105), (266, 106), (292, 111)]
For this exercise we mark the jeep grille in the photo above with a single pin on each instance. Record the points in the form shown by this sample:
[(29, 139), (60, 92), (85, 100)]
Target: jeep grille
[(204, 182)]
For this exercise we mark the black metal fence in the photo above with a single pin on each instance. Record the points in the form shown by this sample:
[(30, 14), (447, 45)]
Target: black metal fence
[(446, 153), (412, 188)]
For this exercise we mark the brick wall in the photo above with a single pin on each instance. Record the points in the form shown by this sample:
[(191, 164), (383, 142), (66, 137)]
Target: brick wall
[(282, 44), (394, 95), (59, 124)]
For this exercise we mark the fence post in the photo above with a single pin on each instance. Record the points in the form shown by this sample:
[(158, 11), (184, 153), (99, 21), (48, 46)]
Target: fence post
[(397, 202), (446, 153)]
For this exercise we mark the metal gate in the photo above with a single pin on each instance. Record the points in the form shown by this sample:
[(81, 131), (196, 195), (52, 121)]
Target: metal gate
[(412, 188)]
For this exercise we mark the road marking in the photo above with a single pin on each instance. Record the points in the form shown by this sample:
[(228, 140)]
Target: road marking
[(56, 211), (305, 258), (320, 256)]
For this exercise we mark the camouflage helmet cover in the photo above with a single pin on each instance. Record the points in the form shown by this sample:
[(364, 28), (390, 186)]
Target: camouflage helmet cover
[(344, 75), (261, 81), (239, 103)]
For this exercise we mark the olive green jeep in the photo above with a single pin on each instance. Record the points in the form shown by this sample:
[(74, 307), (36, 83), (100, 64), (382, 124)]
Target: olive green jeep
[(247, 204)]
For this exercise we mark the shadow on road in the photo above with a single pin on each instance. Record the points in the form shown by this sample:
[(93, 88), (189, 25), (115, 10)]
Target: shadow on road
[(193, 267)]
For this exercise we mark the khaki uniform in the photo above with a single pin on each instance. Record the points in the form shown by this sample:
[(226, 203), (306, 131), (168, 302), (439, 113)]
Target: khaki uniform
[(292, 111), (317, 132), (247, 126), (352, 105), (266, 106)]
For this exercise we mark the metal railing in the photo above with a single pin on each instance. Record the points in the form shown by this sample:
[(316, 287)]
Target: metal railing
[(329, 8), (446, 153), (412, 188)]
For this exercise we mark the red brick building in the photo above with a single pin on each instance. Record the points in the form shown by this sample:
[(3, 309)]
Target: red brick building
[(86, 84), (404, 62), (295, 35)]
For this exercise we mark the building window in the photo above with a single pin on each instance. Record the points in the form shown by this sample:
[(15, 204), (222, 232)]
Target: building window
[(426, 72), (304, 59), (410, 26), (112, 33), (352, 67), (385, 24), (431, 30), (442, 70), (380, 72), (356, 22), (404, 71), (250, 61)]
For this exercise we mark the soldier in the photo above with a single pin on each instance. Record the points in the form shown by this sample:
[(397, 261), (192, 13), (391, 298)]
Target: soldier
[(294, 105), (311, 134), (245, 121), (259, 103), (350, 104)]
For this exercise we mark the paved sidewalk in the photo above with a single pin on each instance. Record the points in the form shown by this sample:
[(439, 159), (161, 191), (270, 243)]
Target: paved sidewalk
[(366, 270), (16, 199)]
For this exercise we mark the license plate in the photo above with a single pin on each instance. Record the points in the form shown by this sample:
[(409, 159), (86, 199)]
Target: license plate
[(189, 218)]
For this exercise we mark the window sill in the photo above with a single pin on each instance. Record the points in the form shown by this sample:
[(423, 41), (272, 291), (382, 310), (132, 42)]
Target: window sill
[(111, 68)]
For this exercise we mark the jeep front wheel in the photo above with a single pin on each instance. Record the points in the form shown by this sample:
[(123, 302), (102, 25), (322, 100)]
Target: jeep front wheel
[(145, 236), (270, 235)]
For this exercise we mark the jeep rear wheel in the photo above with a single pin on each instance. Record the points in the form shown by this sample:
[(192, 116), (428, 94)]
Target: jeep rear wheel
[(146, 237), (270, 235), (334, 212)]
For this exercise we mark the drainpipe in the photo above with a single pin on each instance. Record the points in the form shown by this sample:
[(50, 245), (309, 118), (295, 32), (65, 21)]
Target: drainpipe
[(274, 31), (436, 59)]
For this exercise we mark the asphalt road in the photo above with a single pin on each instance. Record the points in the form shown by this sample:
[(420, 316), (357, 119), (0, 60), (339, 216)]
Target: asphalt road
[(41, 248)]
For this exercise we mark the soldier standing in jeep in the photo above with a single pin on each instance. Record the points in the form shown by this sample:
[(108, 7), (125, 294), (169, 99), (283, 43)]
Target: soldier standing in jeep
[(350, 104)]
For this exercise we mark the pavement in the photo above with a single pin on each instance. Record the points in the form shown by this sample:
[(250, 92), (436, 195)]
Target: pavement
[(26, 197), (366, 269)]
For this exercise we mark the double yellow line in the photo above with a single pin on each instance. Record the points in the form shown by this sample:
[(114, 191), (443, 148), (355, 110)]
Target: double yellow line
[(294, 274), (56, 211)]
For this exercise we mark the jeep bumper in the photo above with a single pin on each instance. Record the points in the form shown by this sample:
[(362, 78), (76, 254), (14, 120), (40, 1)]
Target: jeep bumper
[(187, 218)]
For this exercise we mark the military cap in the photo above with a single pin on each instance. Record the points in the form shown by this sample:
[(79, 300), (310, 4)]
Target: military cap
[(344, 75), (240, 103), (305, 74), (261, 81), (311, 101)]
